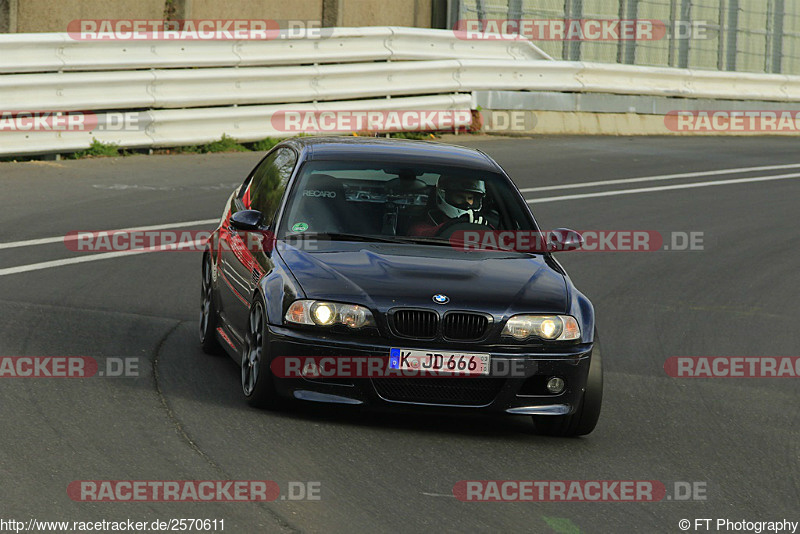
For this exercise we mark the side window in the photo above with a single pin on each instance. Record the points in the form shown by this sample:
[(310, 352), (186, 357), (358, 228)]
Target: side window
[(269, 182)]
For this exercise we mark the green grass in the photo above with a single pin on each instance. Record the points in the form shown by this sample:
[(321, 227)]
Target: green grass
[(97, 150), (226, 144)]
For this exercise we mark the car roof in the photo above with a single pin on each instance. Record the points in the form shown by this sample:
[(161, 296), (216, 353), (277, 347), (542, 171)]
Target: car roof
[(380, 149)]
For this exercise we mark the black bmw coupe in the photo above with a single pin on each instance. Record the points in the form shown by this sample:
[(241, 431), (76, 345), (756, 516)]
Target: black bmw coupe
[(337, 253)]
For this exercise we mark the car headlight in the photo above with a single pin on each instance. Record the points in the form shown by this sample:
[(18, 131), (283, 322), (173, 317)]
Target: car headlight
[(319, 313), (548, 327)]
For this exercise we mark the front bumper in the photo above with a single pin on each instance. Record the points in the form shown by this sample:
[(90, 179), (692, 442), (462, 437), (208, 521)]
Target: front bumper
[(519, 392)]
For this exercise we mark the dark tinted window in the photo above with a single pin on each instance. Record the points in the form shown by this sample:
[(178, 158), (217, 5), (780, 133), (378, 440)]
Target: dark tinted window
[(269, 182), (392, 199)]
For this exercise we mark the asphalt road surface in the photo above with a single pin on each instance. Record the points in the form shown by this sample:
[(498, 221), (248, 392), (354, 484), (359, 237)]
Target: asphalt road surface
[(183, 417)]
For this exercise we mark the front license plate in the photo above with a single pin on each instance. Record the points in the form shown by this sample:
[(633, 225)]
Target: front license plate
[(463, 363)]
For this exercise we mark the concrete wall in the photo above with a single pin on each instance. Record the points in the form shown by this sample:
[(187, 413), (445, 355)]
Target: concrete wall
[(31, 16), (49, 16), (416, 13), (301, 10)]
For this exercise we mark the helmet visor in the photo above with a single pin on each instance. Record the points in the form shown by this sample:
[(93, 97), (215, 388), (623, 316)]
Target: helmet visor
[(464, 199)]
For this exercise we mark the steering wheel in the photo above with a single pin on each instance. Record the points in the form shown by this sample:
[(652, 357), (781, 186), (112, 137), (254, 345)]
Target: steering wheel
[(459, 225)]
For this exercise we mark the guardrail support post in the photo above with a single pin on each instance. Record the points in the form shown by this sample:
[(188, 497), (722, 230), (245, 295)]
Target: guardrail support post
[(439, 14), (8, 16), (453, 13), (178, 10), (721, 36), (481, 5), (331, 13), (572, 11), (732, 32), (514, 9), (683, 43), (774, 60), (626, 49), (673, 19)]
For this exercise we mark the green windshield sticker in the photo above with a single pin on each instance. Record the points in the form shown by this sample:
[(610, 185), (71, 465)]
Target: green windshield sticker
[(299, 227)]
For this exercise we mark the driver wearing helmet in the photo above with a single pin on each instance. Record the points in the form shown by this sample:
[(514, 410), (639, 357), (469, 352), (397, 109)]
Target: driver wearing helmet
[(456, 198)]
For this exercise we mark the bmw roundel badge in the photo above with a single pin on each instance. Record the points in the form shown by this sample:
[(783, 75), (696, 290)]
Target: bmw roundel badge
[(441, 299)]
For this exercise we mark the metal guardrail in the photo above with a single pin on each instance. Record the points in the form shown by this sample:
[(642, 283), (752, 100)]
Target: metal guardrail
[(241, 84), (185, 127), (573, 76), (185, 88), (59, 52), (188, 92)]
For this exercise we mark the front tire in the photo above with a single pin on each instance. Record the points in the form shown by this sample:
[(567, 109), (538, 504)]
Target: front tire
[(258, 383), (584, 420), (208, 312)]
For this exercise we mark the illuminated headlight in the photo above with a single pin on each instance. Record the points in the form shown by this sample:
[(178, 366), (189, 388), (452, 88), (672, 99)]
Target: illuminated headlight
[(314, 312), (549, 327), (323, 313)]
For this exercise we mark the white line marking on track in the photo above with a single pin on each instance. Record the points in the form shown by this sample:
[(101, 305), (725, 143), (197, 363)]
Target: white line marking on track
[(663, 188), (661, 177), (64, 238), (108, 255), (96, 257)]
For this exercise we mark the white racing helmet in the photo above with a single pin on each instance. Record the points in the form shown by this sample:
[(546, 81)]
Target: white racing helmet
[(448, 189)]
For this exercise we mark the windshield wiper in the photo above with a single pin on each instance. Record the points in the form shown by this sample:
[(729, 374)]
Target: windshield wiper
[(340, 236), (421, 240)]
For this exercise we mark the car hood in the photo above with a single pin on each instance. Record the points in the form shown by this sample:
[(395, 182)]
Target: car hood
[(384, 275)]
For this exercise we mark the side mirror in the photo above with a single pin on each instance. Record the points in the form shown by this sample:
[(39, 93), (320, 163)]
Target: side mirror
[(247, 220), (564, 239)]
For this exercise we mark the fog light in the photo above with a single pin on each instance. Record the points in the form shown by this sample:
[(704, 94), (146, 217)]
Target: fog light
[(555, 385)]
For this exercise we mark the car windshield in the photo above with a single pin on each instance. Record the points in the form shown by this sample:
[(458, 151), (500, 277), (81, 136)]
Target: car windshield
[(422, 204)]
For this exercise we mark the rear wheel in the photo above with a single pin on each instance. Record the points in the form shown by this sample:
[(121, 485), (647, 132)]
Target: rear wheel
[(584, 420), (208, 312), (257, 381)]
